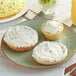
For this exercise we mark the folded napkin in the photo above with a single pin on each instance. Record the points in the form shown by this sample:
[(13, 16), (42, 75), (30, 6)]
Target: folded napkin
[(63, 11)]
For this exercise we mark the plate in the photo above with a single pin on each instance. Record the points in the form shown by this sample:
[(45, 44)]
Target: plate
[(25, 59), (27, 5)]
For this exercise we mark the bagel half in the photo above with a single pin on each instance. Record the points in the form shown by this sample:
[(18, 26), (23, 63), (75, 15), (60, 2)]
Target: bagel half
[(21, 38)]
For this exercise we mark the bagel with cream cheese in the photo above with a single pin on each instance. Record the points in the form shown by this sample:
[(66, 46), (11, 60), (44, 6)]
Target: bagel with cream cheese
[(48, 53), (21, 38)]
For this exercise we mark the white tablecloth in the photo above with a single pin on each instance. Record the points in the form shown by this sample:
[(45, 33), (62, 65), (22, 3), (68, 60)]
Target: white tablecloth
[(8, 68)]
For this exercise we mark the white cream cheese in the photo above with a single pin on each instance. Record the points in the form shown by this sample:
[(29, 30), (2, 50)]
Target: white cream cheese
[(21, 36), (52, 27), (49, 52)]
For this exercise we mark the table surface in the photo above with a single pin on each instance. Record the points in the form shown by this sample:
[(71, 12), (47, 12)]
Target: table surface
[(8, 68)]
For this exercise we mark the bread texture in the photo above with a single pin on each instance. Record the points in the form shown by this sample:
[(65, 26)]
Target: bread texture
[(48, 53), (9, 8), (21, 38), (52, 33)]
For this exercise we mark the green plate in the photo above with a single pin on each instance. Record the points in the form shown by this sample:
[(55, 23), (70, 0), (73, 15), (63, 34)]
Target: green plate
[(25, 59)]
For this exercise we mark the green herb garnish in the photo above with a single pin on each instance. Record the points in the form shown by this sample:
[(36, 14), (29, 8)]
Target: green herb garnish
[(44, 2)]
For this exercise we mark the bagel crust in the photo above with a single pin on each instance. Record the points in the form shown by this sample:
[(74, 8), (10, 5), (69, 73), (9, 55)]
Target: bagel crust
[(21, 48)]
